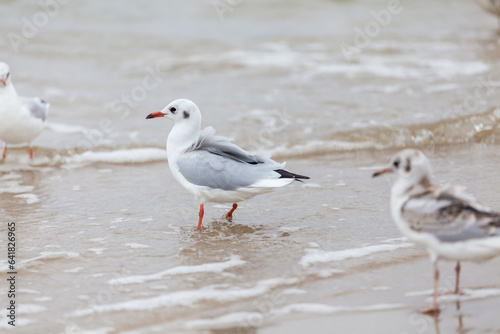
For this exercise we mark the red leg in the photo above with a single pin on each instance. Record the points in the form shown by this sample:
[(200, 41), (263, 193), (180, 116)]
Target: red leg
[(4, 151), (434, 309), (229, 215), (457, 283), (31, 152), (202, 212)]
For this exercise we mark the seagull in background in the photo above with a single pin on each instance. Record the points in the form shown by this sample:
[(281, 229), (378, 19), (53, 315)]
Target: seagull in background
[(491, 6), (211, 167), (21, 118), (446, 221)]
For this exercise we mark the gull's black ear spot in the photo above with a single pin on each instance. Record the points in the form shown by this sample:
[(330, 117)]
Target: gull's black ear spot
[(186, 114), (408, 165)]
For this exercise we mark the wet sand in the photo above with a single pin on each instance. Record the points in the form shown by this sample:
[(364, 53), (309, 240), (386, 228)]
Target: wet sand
[(319, 256)]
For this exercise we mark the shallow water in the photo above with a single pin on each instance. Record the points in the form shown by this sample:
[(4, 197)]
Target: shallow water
[(107, 239)]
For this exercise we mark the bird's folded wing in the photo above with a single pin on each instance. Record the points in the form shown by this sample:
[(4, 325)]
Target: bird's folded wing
[(204, 168), (223, 146), (36, 106), (449, 217)]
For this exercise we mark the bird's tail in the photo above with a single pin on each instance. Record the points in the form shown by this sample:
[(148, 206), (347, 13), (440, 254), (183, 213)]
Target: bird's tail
[(284, 174)]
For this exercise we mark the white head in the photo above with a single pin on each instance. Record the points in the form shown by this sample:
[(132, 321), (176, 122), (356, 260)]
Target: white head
[(411, 165), (180, 111), (4, 74)]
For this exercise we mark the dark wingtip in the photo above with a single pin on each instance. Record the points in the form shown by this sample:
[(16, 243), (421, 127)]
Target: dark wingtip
[(284, 174)]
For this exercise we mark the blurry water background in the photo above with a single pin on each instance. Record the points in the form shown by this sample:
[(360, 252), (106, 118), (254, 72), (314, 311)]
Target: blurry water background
[(106, 237)]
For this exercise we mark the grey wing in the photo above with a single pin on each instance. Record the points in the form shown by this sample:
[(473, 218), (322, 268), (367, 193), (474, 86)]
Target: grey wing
[(223, 146), (204, 168), (448, 217), (36, 106)]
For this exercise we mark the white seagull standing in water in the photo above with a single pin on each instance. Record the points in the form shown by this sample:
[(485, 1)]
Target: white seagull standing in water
[(21, 118), (450, 224), (211, 167)]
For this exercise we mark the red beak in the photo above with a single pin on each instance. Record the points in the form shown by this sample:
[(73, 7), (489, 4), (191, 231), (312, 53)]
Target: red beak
[(155, 114), (382, 171), (3, 81)]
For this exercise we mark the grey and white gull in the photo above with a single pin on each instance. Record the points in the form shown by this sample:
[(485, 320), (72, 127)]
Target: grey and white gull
[(213, 168), (21, 118), (446, 221)]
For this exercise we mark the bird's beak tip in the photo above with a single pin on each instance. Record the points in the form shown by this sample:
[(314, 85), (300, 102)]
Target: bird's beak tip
[(155, 114), (382, 171)]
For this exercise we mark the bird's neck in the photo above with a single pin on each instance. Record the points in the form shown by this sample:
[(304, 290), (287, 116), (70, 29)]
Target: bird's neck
[(408, 186), (8, 91), (182, 136)]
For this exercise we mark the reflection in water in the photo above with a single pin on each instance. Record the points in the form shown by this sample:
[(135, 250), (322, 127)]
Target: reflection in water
[(460, 329)]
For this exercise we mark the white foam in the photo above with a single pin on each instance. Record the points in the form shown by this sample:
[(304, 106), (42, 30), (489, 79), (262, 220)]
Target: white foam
[(30, 308), (97, 251), (448, 68), (99, 240), (30, 198), (105, 170), (11, 176), (136, 245), (294, 291), (467, 294), (217, 267), (310, 308), (44, 299), (176, 229), (231, 320), (23, 290), (189, 298), (74, 270), (419, 293), (13, 187), (73, 328), (471, 294), (321, 147), (43, 256), (136, 155), (291, 228), (320, 256), (325, 273), (392, 240)]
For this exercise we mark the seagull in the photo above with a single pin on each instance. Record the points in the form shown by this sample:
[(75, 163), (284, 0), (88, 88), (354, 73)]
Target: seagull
[(211, 167), (491, 6), (21, 118), (446, 221)]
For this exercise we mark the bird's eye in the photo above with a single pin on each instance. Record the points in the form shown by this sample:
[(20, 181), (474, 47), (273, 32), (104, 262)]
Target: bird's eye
[(7, 76), (173, 110), (396, 163)]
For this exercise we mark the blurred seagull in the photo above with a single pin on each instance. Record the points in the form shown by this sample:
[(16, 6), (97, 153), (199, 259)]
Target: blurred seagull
[(491, 6), (21, 118), (450, 224), (211, 167)]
